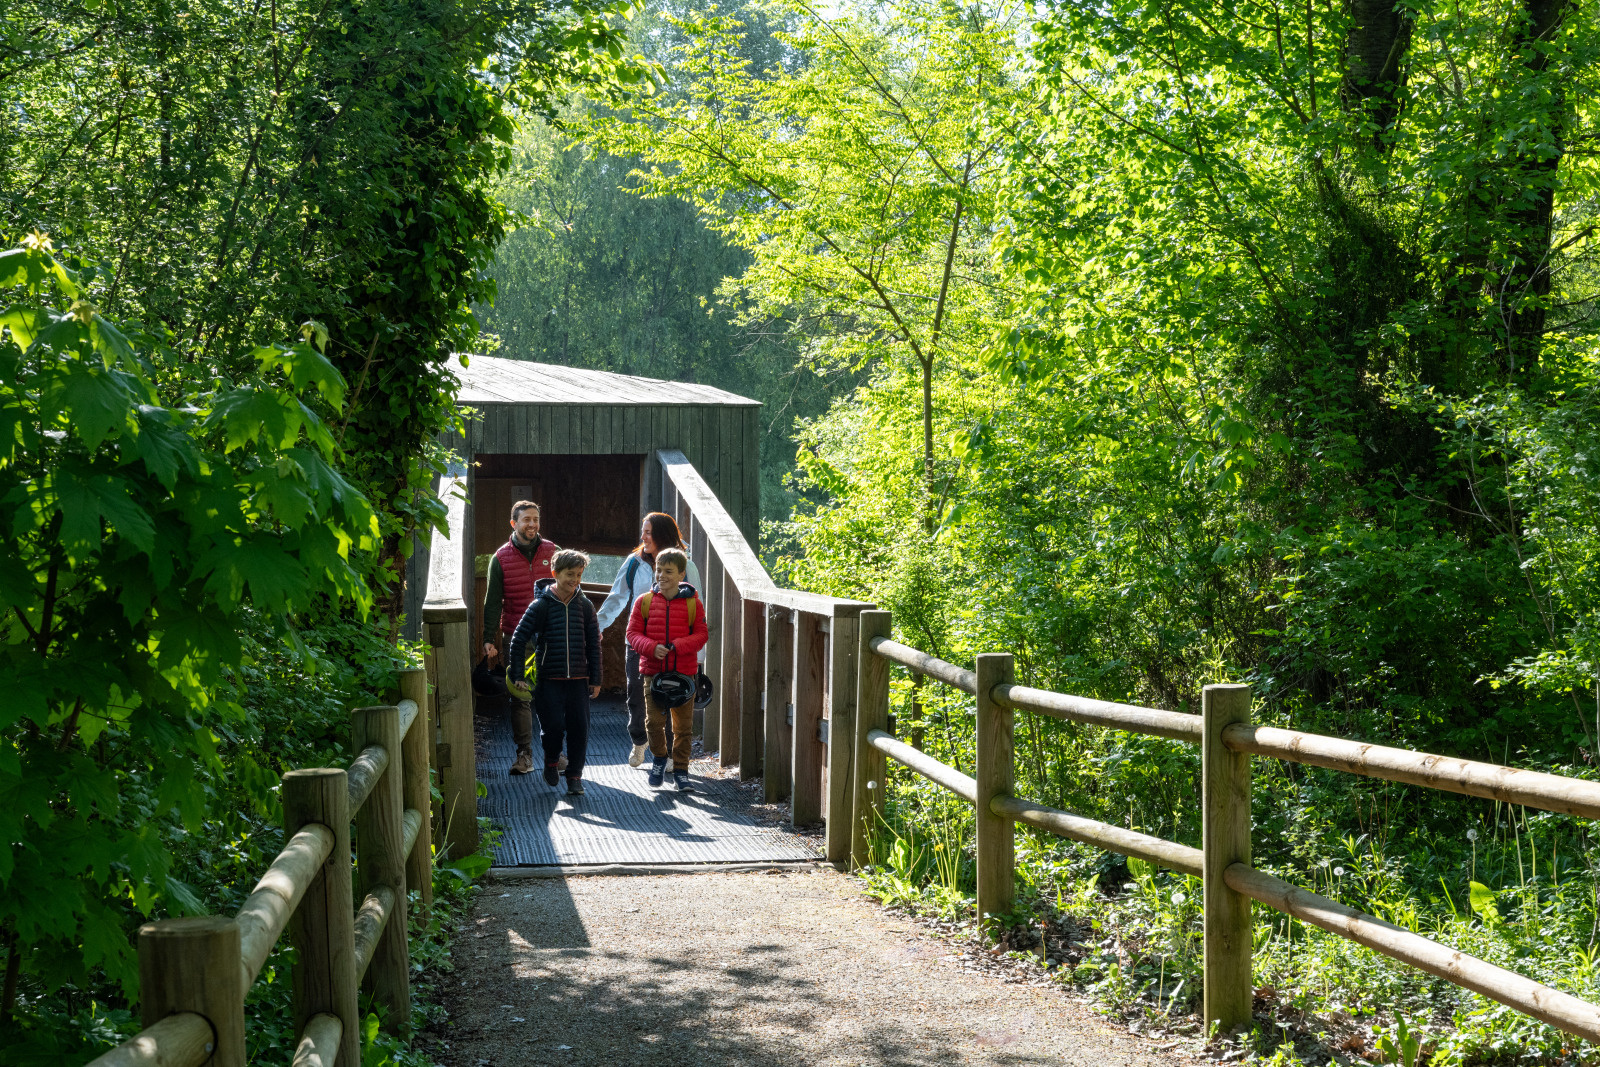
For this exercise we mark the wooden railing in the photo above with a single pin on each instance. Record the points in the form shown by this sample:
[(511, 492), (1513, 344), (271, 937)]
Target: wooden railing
[(1227, 740), (194, 973), (782, 662)]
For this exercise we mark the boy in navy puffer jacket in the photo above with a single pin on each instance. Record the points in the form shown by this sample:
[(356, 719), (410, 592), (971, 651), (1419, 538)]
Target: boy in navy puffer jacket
[(668, 628), (565, 632)]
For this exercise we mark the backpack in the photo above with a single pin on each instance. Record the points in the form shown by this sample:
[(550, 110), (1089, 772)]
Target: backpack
[(649, 599)]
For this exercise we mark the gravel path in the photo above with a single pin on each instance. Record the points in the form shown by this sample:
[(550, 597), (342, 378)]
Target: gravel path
[(746, 969)]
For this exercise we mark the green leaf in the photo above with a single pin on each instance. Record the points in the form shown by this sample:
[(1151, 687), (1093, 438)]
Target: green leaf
[(97, 402), (303, 366), (111, 344), (86, 498), (25, 322)]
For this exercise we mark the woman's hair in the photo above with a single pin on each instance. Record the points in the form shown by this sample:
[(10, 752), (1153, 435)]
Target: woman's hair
[(566, 559), (664, 529)]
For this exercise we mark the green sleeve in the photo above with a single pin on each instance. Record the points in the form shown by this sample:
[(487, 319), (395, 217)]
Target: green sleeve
[(493, 599)]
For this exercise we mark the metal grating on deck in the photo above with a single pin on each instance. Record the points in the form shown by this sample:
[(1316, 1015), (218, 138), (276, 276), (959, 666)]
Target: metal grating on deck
[(619, 819)]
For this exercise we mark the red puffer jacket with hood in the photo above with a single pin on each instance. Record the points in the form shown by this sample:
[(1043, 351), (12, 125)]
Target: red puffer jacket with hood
[(668, 624)]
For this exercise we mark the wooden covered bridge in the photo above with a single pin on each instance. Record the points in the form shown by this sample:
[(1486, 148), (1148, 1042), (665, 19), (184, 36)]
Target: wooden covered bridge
[(802, 703)]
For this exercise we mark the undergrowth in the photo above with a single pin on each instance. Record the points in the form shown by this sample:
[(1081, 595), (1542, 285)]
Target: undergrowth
[(1128, 935)]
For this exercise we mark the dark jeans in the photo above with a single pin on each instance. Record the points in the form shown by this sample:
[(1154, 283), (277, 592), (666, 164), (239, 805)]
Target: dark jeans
[(636, 727), (563, 707)]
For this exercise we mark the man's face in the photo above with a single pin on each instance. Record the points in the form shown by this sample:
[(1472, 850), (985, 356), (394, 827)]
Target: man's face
[(526, 524)]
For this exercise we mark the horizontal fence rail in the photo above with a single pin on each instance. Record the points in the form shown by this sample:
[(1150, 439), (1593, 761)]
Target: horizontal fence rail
[(1231, 883), (194, 973)]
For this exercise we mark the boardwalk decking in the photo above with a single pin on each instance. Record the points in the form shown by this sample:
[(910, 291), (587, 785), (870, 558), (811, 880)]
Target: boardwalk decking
[(619, 819)]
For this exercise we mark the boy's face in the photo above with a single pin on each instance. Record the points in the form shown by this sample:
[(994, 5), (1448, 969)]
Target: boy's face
[(567, 580), (667, 577)]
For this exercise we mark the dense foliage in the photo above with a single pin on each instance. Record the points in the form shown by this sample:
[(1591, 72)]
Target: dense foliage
[(1266, 352)]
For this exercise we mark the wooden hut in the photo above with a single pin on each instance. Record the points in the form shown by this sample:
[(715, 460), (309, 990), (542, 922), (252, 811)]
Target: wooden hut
[(583, 445)]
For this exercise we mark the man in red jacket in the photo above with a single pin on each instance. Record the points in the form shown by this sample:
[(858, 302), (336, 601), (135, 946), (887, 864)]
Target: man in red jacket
[(668, 628), (514, 573)]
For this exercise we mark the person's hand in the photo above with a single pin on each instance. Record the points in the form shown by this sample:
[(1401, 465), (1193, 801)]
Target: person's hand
[(594, 692), (660, 652), (489, 651)]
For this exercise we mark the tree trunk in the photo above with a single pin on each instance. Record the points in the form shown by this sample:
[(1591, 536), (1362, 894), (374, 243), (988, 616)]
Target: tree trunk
[(1374, 48)]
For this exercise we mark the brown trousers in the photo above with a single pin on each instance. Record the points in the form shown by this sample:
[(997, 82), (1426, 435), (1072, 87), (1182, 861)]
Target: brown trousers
[(655, 723)]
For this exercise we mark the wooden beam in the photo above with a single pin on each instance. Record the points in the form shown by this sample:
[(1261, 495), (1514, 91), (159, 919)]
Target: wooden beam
[(808, 755), (752, 690), (778, 735)]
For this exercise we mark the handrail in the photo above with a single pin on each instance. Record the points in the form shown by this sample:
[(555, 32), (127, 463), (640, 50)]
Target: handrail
[(371, 918), (196, 972), (1492, 781), (922, 663), (1225, 805), (266, 910), (364, 773), (180, 1040), (1174, 724), (1561, 1010), (319, 1042)]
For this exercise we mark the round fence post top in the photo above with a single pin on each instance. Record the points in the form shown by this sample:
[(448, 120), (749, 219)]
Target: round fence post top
[(187, 926), (377, 707), (315, 772)]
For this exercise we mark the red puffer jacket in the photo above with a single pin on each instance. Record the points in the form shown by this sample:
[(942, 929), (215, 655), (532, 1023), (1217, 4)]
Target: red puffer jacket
[(669, 625)]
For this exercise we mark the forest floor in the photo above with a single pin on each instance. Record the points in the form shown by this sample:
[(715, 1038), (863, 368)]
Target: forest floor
[(753, 969)]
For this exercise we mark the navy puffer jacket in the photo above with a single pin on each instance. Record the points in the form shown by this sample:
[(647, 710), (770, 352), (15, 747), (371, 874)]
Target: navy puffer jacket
[(566, 637)]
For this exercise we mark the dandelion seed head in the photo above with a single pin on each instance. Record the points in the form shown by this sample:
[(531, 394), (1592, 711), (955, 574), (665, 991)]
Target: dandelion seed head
[(1472, 835)]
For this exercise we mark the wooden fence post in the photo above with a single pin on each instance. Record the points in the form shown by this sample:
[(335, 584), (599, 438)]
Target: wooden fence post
[(381, 861), (711, 725), (1225, 840), (996, 843), (872, 713), (322, 929), (732, 670), (192, 965), (752, 689), (810, 680), (842, 668), (779, 698), (457, 758), (414, 782)]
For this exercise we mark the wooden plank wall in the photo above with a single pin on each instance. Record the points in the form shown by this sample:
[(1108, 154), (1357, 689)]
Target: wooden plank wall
[(722, 441)]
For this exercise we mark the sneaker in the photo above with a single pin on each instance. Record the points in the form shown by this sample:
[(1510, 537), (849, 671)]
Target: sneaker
[(681, 780), (561, 763), (574, 787), (551, 773), (524, 763), (658, 768), (637, 756)]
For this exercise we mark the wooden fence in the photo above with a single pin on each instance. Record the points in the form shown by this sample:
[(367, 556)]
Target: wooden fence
[(1227, 740), (194, 972)]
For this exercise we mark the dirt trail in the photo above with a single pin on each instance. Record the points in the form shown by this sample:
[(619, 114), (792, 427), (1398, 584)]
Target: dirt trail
[(746, 969)]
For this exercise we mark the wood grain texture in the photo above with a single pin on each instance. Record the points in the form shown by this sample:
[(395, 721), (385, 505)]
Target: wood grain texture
[(752, 688), (777, 734), (732, 718), (711, 727), (995, 776), (1225, 840), (181, 1040), (322, 929), (842, 653), (458, 778), (415, 781), (265, 912), (809, 754), (381, 864), (872, 713), (192, 965)]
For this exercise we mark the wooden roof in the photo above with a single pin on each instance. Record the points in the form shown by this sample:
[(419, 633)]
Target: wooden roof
[(494, 380)]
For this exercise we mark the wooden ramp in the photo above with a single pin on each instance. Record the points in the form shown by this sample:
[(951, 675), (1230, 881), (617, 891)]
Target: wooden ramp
[(620, 819)]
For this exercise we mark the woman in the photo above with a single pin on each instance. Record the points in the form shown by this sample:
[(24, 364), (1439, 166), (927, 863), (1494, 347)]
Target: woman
[(635, 577)]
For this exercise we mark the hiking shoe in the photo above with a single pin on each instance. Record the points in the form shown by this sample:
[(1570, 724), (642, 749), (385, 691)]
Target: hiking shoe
[(551, 773), (524, 763), (658, 768), (681, 780), (637, 756), (574, 787), (561, 763)]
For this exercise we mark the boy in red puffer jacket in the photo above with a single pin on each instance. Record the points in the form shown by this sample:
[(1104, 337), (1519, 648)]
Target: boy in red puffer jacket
[(667, 627)]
